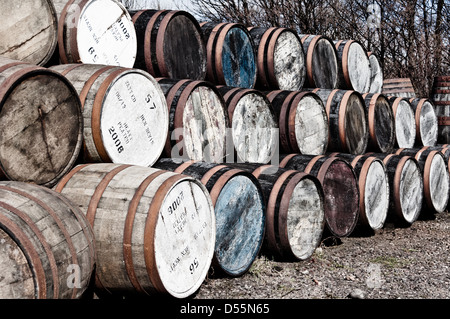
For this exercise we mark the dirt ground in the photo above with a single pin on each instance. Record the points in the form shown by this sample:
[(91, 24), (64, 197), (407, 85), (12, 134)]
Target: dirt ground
[(394, 263)]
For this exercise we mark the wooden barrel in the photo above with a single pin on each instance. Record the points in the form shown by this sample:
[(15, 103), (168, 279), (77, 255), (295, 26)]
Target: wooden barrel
[(399, 87), (29, 31), (377, 75), (347, 118), (239, 209), (435, 177), (125, 113), (441, 99), (354, 66), (41, 123), (406, 188), (95, 31), (381, 122), (322, 68), (280, 58), (231, 58), (340, 186), (303, 121), (373, 185), (170, 44), (198, 120), (295, 216), (405, 123), (426, 122), (154, 229), (47, 247), (253, 122)]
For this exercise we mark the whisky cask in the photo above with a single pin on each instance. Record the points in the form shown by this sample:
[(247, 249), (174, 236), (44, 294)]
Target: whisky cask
[(170, 44), (254, 124), (280, 59), (154, 229), (29, 30), (405, 123), (239, 209), (399, 87), (41, 123), (340, 187), (126, 119), (441, 99), (426, 122), (47, 247), (95, 31), (377, 75), (303, 121)]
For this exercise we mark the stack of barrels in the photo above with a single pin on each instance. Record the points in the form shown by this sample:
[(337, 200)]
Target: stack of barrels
[(143, 150)]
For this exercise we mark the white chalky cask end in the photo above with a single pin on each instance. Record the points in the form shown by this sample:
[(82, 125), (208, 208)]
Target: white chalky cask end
[(426, 122), (155, 230), (47, 245), (303, 121), (377, 75), (95, 31), (29, 30), (441, 99), (253, 122), (41, 123), (322, 65), (198, 120), (405, 123), (354, 66), (280, 58), (125, 112)]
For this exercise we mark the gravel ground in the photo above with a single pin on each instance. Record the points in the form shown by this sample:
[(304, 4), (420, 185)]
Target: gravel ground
[(394, 263)]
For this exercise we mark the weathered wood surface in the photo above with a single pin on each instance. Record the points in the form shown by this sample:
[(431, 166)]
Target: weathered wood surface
[(280, 58), (340, 187), (441, 99), (231, 58), (426, 122), (303, 121), (198, 121), (399, 87), (125, 113), (435, 177), (154, 229), (322, 67), (347, 119), (254, 124), (354, 66), (95, 31), (377, 75), (28, 31), (239, 209), (381, 122), (373, 185), (170, 44), (40, 121), (295, 214), (47, 246), (405, 123)]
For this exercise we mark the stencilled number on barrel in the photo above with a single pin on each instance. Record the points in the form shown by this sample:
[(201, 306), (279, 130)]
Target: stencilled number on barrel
[(115, 137), (149, 100), (194, 265), (176, 203), (93, 54)]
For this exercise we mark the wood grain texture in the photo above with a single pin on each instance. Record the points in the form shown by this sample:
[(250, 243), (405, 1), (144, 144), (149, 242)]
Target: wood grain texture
[(303, 121), (170, 44), (230, 54), (48, 247), (377, 74), (95, 31), (399, 87), (41, 123), (126, 119), (154, 229), (405, 123), (254, 124), (239, 209), (280, 58), (29, 31), (322, 65), (426, 122)]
